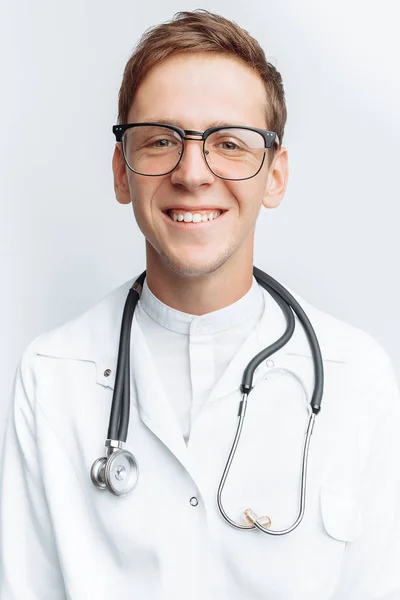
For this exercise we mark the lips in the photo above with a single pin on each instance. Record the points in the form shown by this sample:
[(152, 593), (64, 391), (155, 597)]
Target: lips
[(194, 210)]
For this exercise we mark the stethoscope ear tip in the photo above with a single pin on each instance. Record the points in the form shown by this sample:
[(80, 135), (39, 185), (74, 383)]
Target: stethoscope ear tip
[(251, 518)]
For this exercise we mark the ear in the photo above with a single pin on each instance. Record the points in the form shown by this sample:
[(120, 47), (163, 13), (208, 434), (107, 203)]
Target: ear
[(121, 186), (277, 179)]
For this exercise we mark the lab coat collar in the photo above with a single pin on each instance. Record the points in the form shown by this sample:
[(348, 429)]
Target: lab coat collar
[(210, 323), (94, 335)]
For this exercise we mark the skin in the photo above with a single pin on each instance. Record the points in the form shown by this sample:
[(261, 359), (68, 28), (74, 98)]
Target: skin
[(200, 271)]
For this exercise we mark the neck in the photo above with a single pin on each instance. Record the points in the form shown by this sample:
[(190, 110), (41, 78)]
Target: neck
[(200, 294)]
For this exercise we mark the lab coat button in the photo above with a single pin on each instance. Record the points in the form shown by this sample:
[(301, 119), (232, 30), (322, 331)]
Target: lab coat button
[(107, 373), (193, 501), (270, 363)]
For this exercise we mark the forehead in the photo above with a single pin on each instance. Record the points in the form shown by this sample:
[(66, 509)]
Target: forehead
[(196, 90)]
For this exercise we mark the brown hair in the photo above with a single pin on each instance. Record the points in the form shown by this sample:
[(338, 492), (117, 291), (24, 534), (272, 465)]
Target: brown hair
[(202, 31)]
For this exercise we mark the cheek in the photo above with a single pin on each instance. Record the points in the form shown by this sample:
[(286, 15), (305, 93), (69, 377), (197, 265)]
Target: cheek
[(140, 204), (249, 195), (142, 191)]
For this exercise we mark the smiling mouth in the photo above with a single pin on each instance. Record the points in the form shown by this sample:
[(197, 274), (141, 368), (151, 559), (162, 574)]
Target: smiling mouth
[(195, 218), (191, 225)]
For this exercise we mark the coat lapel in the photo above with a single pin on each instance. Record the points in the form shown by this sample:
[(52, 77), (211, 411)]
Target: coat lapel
[(148, 395)]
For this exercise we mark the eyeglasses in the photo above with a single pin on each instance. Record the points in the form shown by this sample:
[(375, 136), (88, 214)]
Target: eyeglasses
[(233, 152)]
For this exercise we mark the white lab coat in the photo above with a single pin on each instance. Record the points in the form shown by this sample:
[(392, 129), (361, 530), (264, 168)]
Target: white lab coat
[(63, 538)]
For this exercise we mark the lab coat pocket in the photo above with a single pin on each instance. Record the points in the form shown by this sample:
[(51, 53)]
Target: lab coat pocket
[(341, 513)]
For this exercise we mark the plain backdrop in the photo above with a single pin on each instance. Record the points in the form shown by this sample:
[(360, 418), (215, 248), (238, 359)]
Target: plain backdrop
[(66, 242)]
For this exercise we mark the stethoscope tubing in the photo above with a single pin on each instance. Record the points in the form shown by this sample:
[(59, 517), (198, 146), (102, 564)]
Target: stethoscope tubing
[(269, 282), (287, 303), (120, 408)]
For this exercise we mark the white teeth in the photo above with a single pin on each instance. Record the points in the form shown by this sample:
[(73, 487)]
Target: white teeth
[(189, 217)]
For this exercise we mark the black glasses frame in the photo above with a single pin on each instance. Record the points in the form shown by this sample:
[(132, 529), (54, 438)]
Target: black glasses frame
[(270, 137)]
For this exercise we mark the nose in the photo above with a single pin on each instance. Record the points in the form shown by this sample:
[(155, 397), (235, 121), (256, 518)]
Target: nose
[(192, 171)]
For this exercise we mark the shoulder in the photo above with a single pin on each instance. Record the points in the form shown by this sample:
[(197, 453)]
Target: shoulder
[(341, 339), (372, 380), (85, 336), (360, 379)]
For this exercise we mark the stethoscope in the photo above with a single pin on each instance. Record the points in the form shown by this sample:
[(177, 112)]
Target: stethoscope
[(118, 471)]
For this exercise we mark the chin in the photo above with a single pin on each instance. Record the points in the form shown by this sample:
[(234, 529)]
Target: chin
[(194, 268)]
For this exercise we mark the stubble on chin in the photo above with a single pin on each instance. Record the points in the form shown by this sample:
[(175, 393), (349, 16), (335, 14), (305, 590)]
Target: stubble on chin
[(187, 270)]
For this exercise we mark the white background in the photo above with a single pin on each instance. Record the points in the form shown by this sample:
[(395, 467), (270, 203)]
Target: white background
[(65, 242)]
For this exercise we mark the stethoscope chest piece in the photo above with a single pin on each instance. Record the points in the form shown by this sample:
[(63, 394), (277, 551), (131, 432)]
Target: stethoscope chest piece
[(118, 472)]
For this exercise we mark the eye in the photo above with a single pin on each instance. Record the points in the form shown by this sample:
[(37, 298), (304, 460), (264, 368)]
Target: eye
[(229, 146), (164, 143)]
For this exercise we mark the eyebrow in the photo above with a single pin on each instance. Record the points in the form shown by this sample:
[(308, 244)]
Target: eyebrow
[(165, 121)]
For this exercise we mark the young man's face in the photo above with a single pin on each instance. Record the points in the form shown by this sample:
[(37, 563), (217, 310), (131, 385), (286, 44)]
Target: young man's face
[(196, 91)]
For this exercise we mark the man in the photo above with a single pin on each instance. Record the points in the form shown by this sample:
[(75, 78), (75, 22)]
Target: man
[(200, 319)]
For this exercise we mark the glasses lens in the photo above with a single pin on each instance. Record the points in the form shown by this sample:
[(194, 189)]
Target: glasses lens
[(151, 149), (235, 153)]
